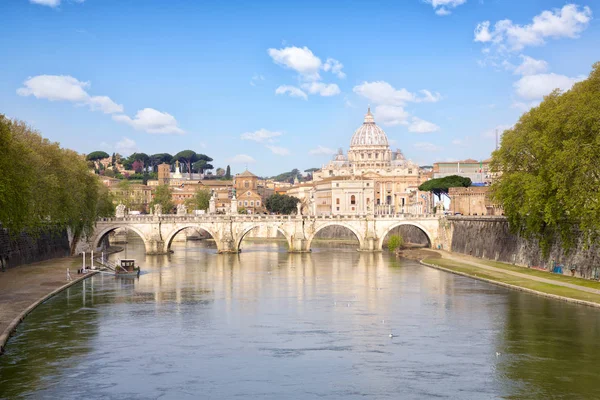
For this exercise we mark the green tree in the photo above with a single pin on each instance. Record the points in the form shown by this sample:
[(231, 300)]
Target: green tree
[(440, 186), (163, 195), (549, 167), (200, 201), (97, 155), (188, 157), (395, 242), (228, 173), (220, 172), (156, 159), (281, 204)]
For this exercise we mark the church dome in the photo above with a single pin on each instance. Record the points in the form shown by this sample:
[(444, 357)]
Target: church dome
[(369, 134)]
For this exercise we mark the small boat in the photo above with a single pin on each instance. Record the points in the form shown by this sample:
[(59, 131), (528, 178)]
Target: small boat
[(127, 269)]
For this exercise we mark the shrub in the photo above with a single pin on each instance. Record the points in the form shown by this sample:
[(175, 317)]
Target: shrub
[(395, 242)]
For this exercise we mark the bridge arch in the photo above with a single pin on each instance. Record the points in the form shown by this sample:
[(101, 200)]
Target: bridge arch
[(98, 237), (179, 228), (336, 223), (240, 237), (388, 229)]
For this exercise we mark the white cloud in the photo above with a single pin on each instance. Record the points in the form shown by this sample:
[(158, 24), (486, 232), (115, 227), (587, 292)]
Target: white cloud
[(335, 67), (261, 135), (537, 86), (67, 88), (49, 3), (567, 22), (323, 89), (151, 121), (381, 92), (420, 126), (301, 60), (241, 159), (530, 66), (442, 7), (280, 151), (457, 142), (321, 150), (482, 33), (428, 97), (391, 115), (256, 79), (126, 146), (104, 104), (425, 146), (292, 90)]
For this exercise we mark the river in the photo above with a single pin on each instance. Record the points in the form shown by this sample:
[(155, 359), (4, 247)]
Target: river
[(266, 324)]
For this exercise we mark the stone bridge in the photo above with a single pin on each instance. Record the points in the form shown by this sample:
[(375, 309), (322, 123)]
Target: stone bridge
[(228, 231)]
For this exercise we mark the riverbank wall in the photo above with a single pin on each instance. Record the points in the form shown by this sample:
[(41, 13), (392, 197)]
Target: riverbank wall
[(25, 248), (490, 238)]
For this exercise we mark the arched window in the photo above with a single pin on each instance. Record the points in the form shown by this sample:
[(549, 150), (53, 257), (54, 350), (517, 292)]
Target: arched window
[(245, 203), (252, 203), (337, 201), (352, 199), (257, 203)]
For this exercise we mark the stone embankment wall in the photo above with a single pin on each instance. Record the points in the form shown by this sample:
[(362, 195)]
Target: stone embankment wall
[(490, 238), (24, 248)]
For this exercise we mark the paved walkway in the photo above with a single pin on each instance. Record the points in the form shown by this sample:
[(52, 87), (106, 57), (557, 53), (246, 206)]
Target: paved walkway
[(471, 261), (22, 286)]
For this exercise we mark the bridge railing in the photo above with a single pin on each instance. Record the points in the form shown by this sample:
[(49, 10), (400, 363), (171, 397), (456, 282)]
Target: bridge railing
[(256, 217)]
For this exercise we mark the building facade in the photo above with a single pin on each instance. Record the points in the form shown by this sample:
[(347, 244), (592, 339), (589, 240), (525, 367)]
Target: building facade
[(370, 178)]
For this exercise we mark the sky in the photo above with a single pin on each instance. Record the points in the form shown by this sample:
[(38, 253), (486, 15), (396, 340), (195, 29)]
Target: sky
[(277, 85)]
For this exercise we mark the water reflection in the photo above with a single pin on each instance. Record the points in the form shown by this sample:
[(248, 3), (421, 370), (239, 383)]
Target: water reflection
[(266, 324)]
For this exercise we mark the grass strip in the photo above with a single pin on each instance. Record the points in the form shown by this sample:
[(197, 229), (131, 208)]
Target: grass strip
[(514, 280)]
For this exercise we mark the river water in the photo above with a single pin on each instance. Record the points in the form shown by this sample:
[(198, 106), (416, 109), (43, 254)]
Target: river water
[(266, 324)]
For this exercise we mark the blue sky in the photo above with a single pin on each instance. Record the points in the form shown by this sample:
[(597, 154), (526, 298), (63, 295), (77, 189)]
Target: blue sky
[(277, 85)]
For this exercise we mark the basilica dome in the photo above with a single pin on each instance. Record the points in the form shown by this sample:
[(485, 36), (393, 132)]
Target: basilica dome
[(369, 134)]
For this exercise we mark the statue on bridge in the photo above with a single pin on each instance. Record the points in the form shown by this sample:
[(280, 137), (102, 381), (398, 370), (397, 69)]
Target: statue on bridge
[(299, 207), (181, 209), (157, 209), (120, 210)]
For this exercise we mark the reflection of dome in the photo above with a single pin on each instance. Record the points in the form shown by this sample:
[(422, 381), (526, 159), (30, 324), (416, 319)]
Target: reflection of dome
[(369, 133)]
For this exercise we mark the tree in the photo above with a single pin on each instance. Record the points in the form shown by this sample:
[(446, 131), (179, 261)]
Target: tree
[(549, 183), (228, 173), (187, 157), (281, 204), (159, 158), (97, 155), (163, 195), (200, 201), (440, 186), (138, 166), (395, 242), (220, 172)]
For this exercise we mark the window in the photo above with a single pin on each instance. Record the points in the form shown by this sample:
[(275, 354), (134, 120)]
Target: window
[(257, 203), (369, 156), (410, 171), (362, 155), (246, 184), (252, 203), (246, 203), (377, 155), (337, 201), (367, 183), (353, 200), (337, 185)]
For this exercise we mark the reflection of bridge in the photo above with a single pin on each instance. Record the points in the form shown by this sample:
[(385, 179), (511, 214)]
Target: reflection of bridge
[(228, 231)]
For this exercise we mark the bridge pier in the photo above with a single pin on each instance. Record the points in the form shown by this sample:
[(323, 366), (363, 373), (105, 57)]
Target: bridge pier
[(369, 244), (155, 247), (299, 245), (227, 246)]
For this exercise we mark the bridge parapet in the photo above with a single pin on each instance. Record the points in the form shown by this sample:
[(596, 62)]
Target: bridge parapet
[(228, 231)]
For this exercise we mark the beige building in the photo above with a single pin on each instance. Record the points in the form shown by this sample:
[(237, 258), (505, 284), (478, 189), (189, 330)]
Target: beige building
[(247, 195), (478, 171), (474, 200)]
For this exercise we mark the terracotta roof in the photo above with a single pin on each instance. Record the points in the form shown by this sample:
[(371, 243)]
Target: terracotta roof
[(247, 173)]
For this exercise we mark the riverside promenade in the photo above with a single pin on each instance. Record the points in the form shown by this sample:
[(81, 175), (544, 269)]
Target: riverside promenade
[(23, 287)]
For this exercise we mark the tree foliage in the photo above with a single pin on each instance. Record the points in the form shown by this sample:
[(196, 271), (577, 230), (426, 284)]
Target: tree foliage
[(163, 195), (97, 155), (281, 204), (550, 182), (395, 242), (200, 201), (42, 183), (228, 173), (288, 176), (440, 186)]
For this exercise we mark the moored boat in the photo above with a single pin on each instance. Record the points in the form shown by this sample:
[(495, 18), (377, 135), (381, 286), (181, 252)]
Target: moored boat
[(127, 269)]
